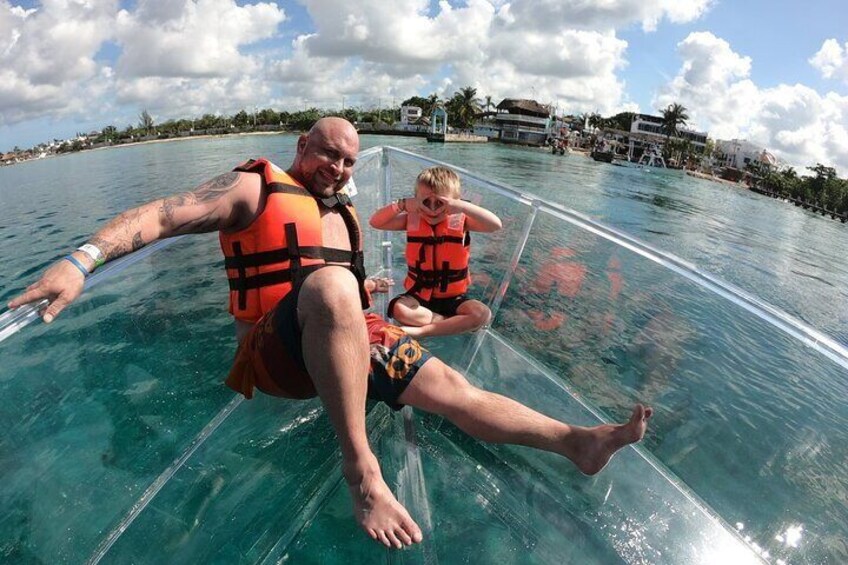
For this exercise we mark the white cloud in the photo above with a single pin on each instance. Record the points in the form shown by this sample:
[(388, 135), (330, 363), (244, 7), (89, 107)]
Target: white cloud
[(515, 49), (47, 55), (797, 123), (558, 15), (202, 39), (832, 60)]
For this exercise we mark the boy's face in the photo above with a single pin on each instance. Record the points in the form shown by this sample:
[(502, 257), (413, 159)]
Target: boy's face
[(433, 209)]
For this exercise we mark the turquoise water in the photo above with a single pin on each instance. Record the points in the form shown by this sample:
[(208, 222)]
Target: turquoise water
[(751, 420)]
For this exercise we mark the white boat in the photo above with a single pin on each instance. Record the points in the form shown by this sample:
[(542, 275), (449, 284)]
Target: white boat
[(651, 157)]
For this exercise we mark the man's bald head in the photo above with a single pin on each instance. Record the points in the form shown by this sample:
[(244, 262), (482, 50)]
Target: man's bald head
[(325, 156)]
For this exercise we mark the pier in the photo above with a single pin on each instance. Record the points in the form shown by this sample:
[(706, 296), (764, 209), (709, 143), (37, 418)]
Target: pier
[(457, 138), (803, 203)]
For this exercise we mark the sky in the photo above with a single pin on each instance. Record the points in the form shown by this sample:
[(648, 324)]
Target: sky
[(772, 72)]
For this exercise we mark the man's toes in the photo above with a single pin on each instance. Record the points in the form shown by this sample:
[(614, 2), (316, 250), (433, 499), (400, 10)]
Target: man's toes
[(638, 414), (404, 537), (649, 412), (412, 530), (393, 539), (381, 535)]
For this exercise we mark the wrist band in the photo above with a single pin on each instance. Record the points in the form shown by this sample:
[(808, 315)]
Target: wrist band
[(94, 252), (78, 265)]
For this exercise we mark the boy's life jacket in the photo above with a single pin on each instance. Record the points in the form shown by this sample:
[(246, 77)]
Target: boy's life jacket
[(284, 244), (437, 257)]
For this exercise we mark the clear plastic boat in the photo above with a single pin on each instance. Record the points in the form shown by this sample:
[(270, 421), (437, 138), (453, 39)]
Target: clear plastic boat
[(121, 443)]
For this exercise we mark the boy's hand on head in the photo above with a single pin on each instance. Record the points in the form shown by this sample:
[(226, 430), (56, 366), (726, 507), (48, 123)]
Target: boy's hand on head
[(452, 205)]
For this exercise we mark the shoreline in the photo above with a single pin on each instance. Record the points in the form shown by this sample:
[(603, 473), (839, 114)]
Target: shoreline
[(151, 141)]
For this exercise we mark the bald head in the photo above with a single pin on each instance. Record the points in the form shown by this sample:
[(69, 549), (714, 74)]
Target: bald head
[(325, 156), (334, 127)]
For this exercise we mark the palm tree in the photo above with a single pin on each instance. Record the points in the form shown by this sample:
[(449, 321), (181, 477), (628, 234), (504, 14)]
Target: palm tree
[(465, 106), (489, 103), (674, 115), (595, 121), (431, 102), (145, 121)]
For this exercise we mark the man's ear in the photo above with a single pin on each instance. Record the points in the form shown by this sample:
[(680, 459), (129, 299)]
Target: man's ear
[(301, 141)]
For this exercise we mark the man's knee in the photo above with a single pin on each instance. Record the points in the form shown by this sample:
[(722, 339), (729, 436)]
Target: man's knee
[(331, 293)]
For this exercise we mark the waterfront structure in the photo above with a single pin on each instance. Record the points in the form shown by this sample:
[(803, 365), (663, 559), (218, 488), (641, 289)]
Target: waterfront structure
[(523, 121), (410, 114), (739, 154), (646, 132)]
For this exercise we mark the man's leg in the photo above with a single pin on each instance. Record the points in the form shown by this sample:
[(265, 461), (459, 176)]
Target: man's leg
[(495, 418), (336, 355)]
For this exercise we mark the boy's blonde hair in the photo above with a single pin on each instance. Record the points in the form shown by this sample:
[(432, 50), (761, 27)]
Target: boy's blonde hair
[(441, 180)]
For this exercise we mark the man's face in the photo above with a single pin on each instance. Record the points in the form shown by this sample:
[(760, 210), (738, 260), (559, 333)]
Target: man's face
[(325, 160)]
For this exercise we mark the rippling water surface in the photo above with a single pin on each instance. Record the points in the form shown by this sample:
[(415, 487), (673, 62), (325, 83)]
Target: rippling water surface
[(751, 420)]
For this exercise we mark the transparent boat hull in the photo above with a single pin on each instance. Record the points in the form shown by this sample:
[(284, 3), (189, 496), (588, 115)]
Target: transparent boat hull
[(122, 444)]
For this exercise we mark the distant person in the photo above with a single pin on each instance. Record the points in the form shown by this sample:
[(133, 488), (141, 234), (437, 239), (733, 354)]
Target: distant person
[(438, 244), (292, 248)]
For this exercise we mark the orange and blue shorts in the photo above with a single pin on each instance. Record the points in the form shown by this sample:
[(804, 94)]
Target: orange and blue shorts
[(270, 358)]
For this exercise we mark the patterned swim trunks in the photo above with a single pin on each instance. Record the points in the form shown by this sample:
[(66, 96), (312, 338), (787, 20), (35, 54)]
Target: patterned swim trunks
[(270, 358)]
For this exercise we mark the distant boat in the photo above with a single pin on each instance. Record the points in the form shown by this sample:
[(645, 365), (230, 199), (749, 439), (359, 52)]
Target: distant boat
[(651, 158), (603, 156)]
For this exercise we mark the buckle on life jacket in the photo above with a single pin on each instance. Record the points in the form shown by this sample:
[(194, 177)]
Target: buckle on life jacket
[(338, 199)]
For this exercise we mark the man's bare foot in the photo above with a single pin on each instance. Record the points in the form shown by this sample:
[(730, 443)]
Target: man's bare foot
[(380, 514), (592, 448)]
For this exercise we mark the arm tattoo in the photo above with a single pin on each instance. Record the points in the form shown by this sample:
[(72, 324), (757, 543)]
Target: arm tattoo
[(123, 234), (217, 187), (209, 191), (137, 242)]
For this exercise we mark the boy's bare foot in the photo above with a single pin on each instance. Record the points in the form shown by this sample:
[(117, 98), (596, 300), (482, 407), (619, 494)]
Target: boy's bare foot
[(415, 332), (380, 514), (592, 448)]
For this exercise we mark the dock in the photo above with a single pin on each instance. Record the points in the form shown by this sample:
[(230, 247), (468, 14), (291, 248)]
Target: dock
[(456, 138)]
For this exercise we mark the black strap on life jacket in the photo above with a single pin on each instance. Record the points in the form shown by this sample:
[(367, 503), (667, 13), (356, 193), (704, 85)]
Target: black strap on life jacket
[(436, 239), (435, 279), (357, 263)]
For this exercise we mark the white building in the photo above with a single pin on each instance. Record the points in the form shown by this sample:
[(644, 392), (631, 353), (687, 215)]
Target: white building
[(523, 121), (410, 114), (739, 153), (650, 132)]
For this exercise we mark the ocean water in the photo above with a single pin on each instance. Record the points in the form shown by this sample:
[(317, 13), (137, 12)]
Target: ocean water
[(752, 421)]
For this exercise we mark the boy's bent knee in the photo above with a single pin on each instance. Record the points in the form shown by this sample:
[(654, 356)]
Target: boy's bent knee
[(479, 313)]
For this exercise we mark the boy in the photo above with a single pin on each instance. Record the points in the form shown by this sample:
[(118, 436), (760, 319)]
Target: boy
[(437, 225)]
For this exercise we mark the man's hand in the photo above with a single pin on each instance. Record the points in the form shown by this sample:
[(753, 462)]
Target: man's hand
[(61, 284), (378, 284)]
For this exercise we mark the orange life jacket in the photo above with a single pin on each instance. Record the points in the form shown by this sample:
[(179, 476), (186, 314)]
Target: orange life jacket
[(437, 257), (284, 244)]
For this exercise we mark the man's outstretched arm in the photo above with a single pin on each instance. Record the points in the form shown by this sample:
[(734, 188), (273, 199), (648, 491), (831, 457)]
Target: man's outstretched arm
[(225, 202)]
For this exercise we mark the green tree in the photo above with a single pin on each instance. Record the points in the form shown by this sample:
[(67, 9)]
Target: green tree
[(673, 116), (145, 121), (430, 103), (621, 121), (241, 119)]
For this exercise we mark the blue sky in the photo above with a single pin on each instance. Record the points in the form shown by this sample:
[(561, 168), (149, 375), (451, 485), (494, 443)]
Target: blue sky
[(743, 69)]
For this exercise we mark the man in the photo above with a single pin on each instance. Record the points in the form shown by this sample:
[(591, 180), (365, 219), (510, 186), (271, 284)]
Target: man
[(300, 322)]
